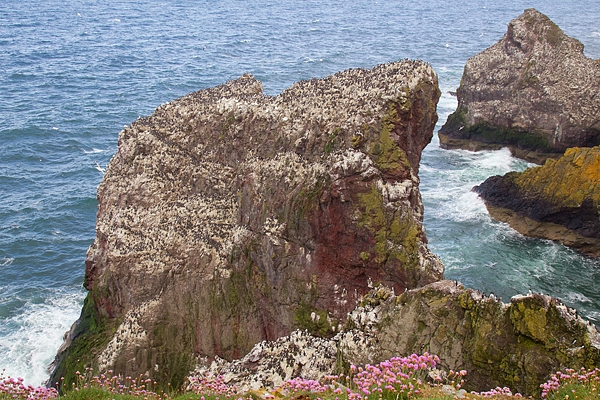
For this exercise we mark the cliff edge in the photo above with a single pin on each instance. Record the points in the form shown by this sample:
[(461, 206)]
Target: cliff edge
[(533, 91), (516, 345), (559, 200), (229, 217)]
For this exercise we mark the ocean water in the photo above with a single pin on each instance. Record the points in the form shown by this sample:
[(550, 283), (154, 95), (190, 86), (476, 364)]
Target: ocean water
[(72, 73)]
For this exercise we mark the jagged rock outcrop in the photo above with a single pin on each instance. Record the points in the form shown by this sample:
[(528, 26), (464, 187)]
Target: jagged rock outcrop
[(229, 217), (533, 91), (559, 200), (516, 345)]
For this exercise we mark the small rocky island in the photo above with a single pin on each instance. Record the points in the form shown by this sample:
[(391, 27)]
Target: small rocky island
[(559, 200), (533, 91), (263, 238), (230, 217)]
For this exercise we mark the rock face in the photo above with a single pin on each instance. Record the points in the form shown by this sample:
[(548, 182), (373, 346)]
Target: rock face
[(533, 91), (559, 200), (229, 217), (516, 345)]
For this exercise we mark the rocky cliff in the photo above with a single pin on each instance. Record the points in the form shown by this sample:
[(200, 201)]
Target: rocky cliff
[(516, 345), (559, 200), (229, 217), (533, 91)]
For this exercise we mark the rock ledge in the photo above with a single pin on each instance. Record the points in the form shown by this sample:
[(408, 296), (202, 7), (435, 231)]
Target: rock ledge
[(558, 201)]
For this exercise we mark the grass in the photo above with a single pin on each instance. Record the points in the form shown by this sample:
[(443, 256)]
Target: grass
[(400, 378)]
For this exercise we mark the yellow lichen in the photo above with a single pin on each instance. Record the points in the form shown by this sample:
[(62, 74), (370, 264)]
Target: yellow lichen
[(396, 235), (388, 156), (567, 181)]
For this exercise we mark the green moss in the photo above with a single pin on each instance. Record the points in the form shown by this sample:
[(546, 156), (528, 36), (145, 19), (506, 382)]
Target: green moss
[(91, 334), (357, 140), (301, 204), (332, 139), (456, 123), (553, 34), (314, 320), (173, 352), (388, 156), (396, 235), (522, 139)]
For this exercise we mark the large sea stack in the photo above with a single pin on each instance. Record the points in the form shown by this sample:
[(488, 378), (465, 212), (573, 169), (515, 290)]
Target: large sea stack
[(559, 200), (229, 217), (533, 91)]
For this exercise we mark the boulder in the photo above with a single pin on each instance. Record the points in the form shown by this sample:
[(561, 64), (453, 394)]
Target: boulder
[(516, 345), (533, 91), (229, 217), (558, 201)]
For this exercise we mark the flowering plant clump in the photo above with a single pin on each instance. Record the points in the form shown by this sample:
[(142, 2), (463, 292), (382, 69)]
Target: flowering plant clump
[(139, 387), (498, 392), (571, 384), (396, 378), (14, 388), (306, 385), (211, 386)]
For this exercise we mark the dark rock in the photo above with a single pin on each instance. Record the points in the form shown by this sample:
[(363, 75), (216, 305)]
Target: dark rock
[(533, 91), (559, 200), (229, 217)]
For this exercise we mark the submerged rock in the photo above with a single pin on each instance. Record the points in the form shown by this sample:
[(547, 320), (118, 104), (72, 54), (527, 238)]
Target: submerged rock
[(559, 200), (533, 91), (230, 217), (517, 345)]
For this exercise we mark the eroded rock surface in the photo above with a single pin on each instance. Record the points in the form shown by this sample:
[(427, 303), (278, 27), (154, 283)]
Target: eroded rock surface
[(559, 200), (516, 345), (533, 91), (229, 217)]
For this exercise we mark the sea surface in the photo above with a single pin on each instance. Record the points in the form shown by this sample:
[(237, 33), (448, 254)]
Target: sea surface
[(73, 73)]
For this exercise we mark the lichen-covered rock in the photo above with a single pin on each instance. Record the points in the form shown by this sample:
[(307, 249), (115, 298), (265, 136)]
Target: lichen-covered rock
[(559, 200), (516, 345), (533, 91), (229, 217)]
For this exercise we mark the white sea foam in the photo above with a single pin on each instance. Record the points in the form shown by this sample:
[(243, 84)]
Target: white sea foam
[(6, 261), (36, 333), (99, 168), (578, 298), (94, 150), (498, 161)]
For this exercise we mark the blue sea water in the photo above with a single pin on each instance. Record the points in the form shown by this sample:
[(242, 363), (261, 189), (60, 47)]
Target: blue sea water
[(72, 73)]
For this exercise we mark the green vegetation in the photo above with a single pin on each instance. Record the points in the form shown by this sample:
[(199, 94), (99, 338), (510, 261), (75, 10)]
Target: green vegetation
[(388, 156), (314, 320), (399, 378), (396, 235), (91, 333)]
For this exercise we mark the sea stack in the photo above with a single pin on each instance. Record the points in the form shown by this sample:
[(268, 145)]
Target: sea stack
[(229, 217), (559, 200), (533, 91)]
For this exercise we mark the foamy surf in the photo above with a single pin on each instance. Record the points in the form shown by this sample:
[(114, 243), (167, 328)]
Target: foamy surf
[(30, 338), (93, 151)]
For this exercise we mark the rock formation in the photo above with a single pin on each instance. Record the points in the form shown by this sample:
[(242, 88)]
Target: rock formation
[(516, 345), (229, 217), (533, 91), (559, 200)]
